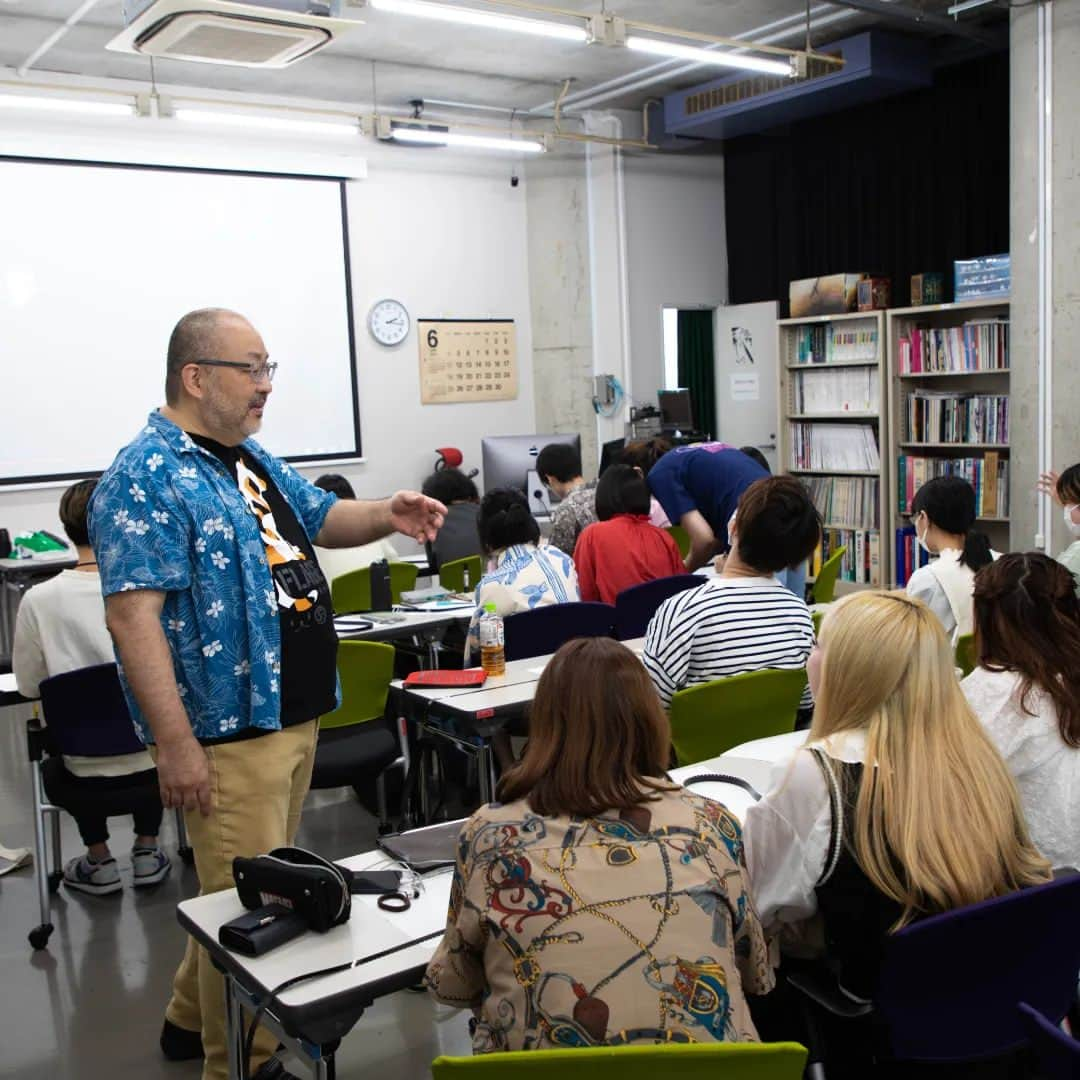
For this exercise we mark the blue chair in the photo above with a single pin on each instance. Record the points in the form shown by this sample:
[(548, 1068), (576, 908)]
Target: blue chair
[(950, 984), (634, 607), (542, 630), (87, 716), (1056, 1054)]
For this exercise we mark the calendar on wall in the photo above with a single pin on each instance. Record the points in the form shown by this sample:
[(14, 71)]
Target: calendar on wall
[(467, 360)]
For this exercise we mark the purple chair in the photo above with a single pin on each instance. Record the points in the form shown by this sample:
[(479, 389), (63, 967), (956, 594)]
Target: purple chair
[(542, 630), (634, 607), (950, 984), (1056, 1054)]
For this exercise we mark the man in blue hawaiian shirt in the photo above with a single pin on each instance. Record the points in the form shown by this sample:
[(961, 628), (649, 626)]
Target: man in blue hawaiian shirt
[(222, 622)]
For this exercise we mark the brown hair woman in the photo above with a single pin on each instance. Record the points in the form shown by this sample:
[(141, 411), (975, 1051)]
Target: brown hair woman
[(597, 903)]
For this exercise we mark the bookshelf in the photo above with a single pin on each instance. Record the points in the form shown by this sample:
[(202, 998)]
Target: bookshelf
[(964, 395), (832, 432)]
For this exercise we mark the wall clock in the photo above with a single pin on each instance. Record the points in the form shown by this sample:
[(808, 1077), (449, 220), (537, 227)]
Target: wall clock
[(388, 322)]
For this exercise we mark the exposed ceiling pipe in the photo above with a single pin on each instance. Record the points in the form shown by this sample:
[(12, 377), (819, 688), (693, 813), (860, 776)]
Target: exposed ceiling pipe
[(905, 16), (769, 34), (55, 36), (591, 100)]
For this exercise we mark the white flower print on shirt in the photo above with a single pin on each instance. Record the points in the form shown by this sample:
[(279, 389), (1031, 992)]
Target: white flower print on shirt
[(176, 625), (160, 516), (219, 559), (213, 525), (137, 526), (230, 723), (137, 493), (215, 609), (212, 649), (243, 668), (200, 544), (154, 462), (120, 518), (188, 472)]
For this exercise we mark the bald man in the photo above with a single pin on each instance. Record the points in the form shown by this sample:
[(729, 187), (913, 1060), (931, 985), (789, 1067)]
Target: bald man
[(222, 623)]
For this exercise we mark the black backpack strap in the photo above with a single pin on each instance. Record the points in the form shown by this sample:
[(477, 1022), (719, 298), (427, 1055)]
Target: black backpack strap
[(836, 813)]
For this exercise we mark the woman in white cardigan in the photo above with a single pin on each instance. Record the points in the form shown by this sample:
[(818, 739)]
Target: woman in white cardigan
[(1026, 691), (943, 513)]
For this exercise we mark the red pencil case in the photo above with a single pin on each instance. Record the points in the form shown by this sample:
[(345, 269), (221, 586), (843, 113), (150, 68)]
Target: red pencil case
[(446, 677)]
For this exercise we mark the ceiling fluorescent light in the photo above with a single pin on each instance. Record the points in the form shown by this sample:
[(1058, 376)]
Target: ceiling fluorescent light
[(676, 51), (489, 19), (66, 104), (346, 128), (967, 5), (473, 142)]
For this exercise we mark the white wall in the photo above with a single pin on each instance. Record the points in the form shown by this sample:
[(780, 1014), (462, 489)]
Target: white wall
[(676, 250), (443, 232)]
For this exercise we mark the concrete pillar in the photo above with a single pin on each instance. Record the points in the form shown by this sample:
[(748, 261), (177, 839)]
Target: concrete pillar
[(1026, 247)]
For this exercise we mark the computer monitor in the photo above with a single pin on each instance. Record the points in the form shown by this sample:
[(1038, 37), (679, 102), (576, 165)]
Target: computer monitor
[(610, 453), (676, 410), (510, 461)]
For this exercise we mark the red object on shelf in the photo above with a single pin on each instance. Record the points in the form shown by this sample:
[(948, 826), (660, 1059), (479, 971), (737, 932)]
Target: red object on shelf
[(450, 457)]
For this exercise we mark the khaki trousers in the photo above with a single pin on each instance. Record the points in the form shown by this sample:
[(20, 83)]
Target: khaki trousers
[(258, 788)]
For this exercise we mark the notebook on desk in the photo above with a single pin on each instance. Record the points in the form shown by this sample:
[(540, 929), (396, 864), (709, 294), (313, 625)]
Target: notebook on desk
[(427, 848)]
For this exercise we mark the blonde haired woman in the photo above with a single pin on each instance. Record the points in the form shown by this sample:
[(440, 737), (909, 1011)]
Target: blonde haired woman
[(898, 807)]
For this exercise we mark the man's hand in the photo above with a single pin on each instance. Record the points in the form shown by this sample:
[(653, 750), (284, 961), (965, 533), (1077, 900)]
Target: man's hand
[(184, 775), (415, 515), (1048, 486)]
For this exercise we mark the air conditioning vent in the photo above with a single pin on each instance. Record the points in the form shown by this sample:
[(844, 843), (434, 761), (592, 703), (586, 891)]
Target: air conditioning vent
[(270, 33)]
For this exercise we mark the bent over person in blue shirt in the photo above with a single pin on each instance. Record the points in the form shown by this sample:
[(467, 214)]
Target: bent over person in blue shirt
[(222, 623)]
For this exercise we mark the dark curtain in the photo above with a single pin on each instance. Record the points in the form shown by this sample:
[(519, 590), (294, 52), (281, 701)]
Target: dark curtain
[(893, 188), (697, 366)]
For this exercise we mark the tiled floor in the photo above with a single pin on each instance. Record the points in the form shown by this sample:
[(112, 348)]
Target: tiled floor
[(90, 1006)]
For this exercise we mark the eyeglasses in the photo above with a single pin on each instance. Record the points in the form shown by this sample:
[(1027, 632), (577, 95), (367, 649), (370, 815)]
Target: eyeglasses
[(258, 372)]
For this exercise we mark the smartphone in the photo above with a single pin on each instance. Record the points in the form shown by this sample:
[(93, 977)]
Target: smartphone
[(375, 882)]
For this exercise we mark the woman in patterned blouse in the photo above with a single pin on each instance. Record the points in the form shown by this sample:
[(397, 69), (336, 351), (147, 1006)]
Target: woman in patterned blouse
[(598, 903)]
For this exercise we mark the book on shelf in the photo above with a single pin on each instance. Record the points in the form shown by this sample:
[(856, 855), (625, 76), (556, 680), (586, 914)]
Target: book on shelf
[(843, 447), (829, 343), (988, 475), (980, 345), (855, 390), (845, 501), (909, 554), (947, 417), (861, 561)]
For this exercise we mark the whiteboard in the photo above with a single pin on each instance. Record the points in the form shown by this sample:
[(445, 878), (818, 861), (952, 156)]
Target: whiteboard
[(97, 264)]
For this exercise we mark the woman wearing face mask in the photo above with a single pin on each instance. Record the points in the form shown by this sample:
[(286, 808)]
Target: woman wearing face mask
[(943, 513), (1065, 491)]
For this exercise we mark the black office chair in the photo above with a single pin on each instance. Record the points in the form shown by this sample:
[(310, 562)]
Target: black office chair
[(634, 607), (542, 630), (87, 716)]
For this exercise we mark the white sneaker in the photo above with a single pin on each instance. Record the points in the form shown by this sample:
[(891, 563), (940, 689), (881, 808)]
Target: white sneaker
[(96, 878), (149, 866)]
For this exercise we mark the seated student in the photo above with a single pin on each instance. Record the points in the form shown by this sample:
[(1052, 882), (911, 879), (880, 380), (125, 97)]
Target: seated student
[(622, 549), (643, 454), (522, 574), (559, 468), (1026, 691), (943, 514), (852, 830), (578, 915), (744, 619), (458, 537), (60, 627), (1065, 491), (699, 488), (337, 561), (794, 577)]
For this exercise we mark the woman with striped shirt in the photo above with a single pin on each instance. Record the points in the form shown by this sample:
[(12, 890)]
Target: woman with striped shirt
[(743, 620)]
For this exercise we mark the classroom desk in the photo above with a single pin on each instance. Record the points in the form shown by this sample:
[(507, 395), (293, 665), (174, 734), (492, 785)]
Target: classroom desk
[(310, 1018), (16, 576), (427, 627), (9, 695), (481, 711)]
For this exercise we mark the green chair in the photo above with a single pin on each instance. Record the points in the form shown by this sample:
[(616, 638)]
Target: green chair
[(824, 588), (713, 717), (352, 591), (356, 742), (965, 653), (452, 574), (671, 1061), (681, 537)]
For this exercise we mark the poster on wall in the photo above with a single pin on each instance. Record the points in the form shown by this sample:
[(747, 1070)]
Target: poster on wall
[(467, 360)]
